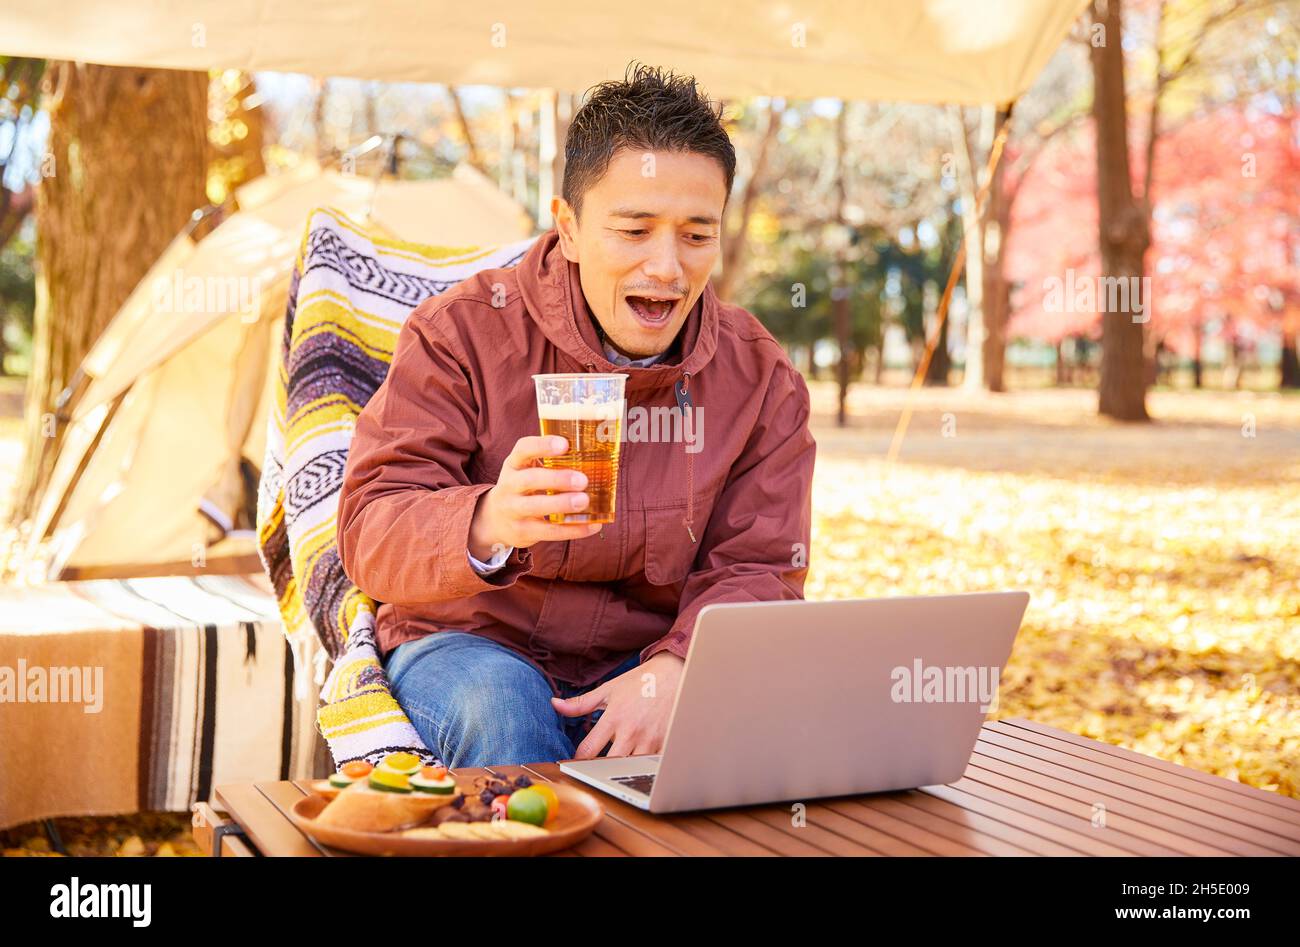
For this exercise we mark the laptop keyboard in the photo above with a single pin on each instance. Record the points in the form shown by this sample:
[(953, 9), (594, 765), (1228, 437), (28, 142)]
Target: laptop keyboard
[(640, 783)]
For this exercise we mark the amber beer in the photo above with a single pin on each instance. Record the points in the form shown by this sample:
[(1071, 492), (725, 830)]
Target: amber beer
[(587, 411)]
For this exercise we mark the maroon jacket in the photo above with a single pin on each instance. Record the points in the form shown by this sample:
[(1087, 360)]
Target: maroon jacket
[(457, 398)]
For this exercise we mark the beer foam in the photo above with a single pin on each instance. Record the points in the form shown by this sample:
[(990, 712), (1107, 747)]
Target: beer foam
[(577, 411)]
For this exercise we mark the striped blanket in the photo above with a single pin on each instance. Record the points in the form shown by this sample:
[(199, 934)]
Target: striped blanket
[(351, 290), (146, 694)]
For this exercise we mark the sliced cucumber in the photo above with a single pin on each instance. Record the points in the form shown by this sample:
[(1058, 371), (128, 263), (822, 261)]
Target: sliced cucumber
[(389, 782), (438, 787), (380, 787)]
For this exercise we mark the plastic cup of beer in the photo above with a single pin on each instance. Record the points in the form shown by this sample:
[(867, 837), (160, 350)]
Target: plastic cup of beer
[(587, 411)]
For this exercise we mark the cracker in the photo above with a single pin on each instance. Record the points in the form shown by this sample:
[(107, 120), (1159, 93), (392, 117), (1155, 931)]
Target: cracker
[(510, 829)]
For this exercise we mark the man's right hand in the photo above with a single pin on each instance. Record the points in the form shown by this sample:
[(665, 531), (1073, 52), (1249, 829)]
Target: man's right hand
[(513, 512)]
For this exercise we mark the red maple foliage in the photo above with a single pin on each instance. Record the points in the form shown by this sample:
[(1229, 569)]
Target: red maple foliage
[(1225, 229)]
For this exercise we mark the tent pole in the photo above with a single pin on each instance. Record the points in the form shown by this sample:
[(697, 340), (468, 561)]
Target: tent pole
[(958, 263)]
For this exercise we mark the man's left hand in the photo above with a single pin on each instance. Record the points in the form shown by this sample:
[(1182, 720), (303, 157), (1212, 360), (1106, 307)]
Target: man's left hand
[(636, 707)]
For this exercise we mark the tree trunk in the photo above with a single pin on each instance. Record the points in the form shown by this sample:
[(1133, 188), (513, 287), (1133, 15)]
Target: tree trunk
[(840, 313), (839, 276), (1123, 234), (548, 146), (325, 150), (21, 81), (1234, 359), (15, 206), (129, 151), (936, 373), (966, 161), (1198, 363), (997, 292), (564, 110), (520, 114), (370, 109), (1290, 361), (857, 362), (1152, 357)]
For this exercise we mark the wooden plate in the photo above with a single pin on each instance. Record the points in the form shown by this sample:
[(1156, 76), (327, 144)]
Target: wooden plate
[(578, 816)]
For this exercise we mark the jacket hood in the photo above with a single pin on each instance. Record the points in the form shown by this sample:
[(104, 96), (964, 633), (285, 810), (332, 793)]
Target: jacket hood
[(552, 293)]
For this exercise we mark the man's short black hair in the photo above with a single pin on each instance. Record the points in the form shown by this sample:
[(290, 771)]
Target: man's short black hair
[(648, 110)]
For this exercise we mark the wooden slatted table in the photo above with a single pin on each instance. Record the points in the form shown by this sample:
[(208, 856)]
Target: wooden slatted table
[(1029, 790)]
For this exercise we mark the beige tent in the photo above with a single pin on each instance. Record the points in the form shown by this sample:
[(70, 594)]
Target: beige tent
[(955, 51), (170, 416)]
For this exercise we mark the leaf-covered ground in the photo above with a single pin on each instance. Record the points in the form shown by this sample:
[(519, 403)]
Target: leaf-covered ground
[(1163, 563), (1163, 560), (157, 834)]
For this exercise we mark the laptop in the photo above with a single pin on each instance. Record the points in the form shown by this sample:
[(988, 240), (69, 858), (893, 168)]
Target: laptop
[(795, 700)]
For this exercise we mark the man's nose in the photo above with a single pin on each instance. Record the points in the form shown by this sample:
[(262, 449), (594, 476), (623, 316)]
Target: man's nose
[(663, 265)]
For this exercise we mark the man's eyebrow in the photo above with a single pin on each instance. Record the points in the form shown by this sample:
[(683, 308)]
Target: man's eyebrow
[(634, 214)]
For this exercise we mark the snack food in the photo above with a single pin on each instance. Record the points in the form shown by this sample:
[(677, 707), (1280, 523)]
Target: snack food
[(380, 798), (361, 808), (528, 805), (347, 774), (407, 763), (497, 829), (434, 779), (426, 802), (458, 825), (325, 788)]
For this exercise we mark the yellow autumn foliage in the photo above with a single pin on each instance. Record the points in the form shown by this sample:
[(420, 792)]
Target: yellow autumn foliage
[(1163, 562)]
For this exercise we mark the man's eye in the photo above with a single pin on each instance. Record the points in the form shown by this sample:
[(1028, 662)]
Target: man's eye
[(693, 237)]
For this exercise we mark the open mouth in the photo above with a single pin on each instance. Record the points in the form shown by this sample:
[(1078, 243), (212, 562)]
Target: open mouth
[(652, 311)]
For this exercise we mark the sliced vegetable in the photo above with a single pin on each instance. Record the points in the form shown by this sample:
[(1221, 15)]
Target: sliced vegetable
[(356, 769), (407, 763), (423, 782), (386, 781)]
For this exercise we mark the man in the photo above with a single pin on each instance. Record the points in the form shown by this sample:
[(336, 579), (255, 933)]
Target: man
[(504, 636)]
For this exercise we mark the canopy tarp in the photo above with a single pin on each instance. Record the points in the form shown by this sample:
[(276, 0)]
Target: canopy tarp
[(118, 499), (967, 52)]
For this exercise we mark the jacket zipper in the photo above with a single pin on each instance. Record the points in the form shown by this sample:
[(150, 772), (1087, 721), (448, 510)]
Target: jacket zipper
[(564, 559)]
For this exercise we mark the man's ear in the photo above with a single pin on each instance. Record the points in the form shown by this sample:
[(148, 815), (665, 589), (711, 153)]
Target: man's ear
[(566, 225)]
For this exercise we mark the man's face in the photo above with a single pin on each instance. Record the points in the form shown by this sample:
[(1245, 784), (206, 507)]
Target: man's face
[(650, 231)]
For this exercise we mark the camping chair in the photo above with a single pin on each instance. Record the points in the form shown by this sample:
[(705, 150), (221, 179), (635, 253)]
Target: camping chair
[(352, 288)]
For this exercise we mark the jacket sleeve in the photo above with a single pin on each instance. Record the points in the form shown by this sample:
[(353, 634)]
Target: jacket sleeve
[(407, 502), (755, 546)]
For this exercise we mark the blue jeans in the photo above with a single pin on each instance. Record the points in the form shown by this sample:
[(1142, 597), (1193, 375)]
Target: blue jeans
[(477, 703)]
